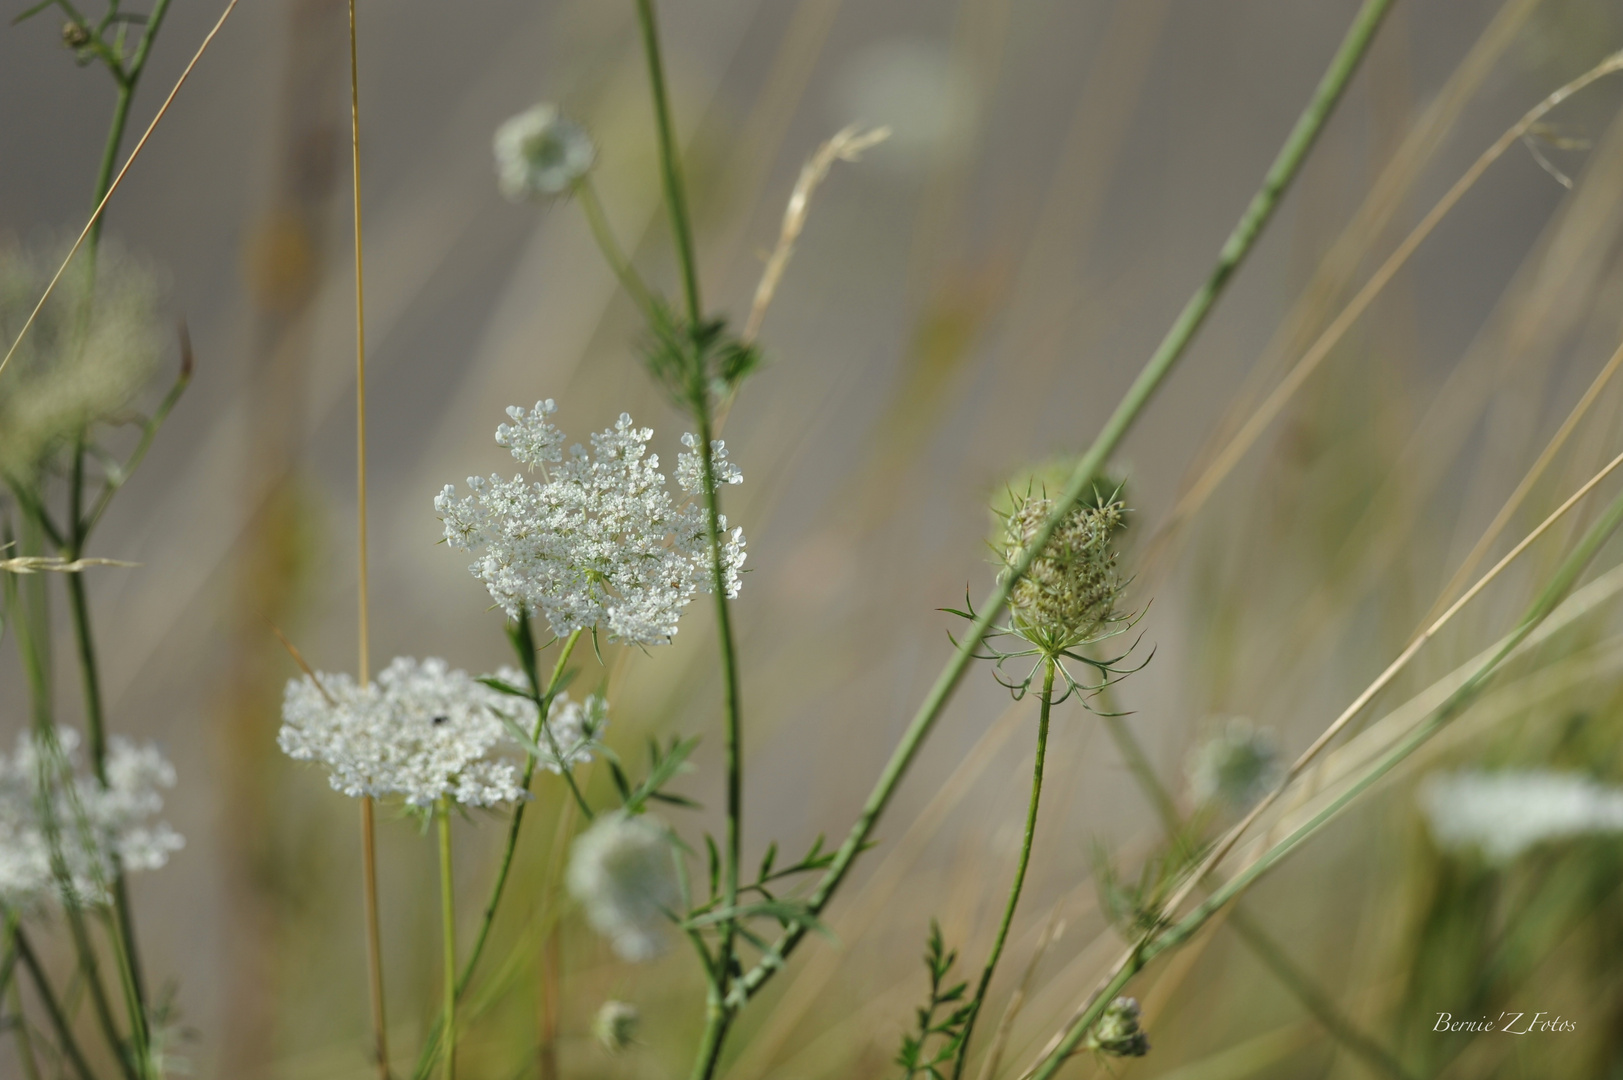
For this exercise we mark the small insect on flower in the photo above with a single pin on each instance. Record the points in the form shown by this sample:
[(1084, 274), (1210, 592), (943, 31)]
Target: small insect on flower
[(1235, 767), (623, 871), (598, 541), (421, 731), (615, 1025), (63, 831), (1117, 1032), (541, 154)]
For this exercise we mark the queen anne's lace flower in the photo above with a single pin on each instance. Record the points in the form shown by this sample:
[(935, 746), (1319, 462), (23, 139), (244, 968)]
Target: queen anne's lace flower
[(1506, 813), (623, 871), (541, 153), (1068, 595), (421, 731), (598, 540), (92, 825), (1236, 766)]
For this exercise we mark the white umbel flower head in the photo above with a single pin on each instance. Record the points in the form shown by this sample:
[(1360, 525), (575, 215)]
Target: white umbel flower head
[(623, 872), (1504, 814), (598, 541), (540, 153), (1236, 766), (93, 825), (421, 731), (573, 731)]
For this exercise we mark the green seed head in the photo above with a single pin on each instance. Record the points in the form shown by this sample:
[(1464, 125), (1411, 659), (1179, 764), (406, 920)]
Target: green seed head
[(1068, 597)]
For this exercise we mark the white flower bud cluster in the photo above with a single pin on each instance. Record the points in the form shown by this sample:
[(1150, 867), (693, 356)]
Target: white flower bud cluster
[(1118, 1033), (423, 731), (623, 872), (1503, 814), (540, 153), (91, 825), (598, 541)]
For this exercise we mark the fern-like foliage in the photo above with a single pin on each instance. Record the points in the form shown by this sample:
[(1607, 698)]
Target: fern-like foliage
[(941, 1018)]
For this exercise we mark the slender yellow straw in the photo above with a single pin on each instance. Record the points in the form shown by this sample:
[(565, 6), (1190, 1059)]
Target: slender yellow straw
[(369, 861), (117, 180)]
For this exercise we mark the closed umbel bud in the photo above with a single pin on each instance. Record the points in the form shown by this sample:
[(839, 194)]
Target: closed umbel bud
[(615, 1025), (1117, 1032), (75, 35), (1068, 596)]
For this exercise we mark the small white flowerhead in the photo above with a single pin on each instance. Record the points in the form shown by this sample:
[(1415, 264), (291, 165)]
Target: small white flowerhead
[(540, 153), (1503, 814), (1117, 1032), (50, 799), (1235, 767), (89, 354), (421, 731), (622, 870), (615, 1025), (598, 541)]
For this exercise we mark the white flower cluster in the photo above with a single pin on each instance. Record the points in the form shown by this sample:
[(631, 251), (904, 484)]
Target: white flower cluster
[(598, 541), (1506, 813), (89, 824), (623, 871), (541, 153), (423, 731)]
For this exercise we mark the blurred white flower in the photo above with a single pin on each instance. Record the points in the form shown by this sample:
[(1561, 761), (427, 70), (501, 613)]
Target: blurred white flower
[(1506, 813), (92, 824), (615, 1025), (1236, 766), (623, 872), (420, 731), (573, 727), (541, 153), (597, 541), (71, 371)]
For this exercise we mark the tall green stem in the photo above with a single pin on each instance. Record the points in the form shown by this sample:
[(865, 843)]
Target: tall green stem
[(1172, 348), (448, 934), (979, 1000), (681, 229), (523, 643), (670, 163)]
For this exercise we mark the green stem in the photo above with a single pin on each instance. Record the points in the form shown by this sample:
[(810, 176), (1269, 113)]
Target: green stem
[(448, 935), (1166, 356), (123, 935), (670, 163), (109, 162), (718, 1018), (613, 253), (979, 1001), (681, 228), (59, 1022), (523, 643), (1467, 692)]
